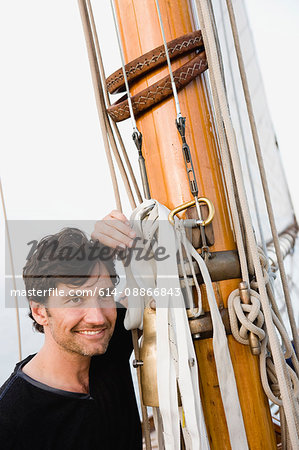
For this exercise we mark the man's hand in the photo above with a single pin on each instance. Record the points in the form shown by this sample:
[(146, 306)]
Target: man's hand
[(114, 231)]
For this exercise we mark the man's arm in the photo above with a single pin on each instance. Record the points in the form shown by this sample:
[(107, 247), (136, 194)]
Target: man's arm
[(114, 231)]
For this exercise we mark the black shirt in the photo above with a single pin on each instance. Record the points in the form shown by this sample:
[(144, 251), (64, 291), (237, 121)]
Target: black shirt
[(36, 416)]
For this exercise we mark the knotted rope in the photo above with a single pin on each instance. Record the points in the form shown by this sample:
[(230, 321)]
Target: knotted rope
[(253, 312), (251, 319)]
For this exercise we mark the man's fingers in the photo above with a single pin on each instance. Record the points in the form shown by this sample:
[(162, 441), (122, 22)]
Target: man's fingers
[(122, 227), (114, 230), (115, 214), (105, 232)]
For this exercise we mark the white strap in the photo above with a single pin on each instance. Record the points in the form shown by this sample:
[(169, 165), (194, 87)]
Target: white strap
[(174, 342), (225, 372), (187, 376), (143, 273)]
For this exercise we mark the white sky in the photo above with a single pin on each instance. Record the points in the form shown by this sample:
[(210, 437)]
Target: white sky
[(52, 162)]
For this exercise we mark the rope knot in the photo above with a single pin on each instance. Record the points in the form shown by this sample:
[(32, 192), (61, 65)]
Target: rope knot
[(249, 315)]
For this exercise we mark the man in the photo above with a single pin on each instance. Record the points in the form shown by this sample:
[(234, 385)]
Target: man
[(77, 391)]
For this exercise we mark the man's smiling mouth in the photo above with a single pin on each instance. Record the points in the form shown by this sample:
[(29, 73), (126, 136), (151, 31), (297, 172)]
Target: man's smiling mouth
[(91, 332)]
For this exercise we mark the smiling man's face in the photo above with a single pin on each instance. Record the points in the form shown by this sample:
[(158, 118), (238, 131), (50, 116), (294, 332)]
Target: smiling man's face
[(82, 324)]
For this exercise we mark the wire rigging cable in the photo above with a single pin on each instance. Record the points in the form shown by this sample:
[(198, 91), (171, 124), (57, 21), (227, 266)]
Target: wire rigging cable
[(174, 89)]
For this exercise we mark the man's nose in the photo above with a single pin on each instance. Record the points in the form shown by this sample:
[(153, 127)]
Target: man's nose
[(95, 315)]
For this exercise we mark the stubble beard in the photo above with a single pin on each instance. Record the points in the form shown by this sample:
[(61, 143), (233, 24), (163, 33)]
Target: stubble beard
[(71, 345)]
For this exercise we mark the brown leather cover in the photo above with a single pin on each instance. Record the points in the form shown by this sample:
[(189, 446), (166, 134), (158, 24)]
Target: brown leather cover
[(152, 59), (158, 91)]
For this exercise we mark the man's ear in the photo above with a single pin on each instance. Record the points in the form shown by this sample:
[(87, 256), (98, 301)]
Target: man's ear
[(39, 313)]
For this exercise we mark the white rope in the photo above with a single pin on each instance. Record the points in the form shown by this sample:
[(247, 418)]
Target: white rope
[(223, 118), (253, 190), (236, 313), (289, 352), (267, 369), (225, 159), (267, 271)]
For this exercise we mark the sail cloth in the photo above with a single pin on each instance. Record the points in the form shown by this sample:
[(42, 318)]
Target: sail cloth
[(176, 359), (272, 159)]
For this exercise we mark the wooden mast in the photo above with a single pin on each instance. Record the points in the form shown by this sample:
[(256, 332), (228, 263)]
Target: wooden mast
[(140, 32)]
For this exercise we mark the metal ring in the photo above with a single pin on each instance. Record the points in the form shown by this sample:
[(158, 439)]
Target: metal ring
[(192, 203)]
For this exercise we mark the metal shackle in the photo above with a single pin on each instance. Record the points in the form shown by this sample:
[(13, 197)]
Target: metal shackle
[(192, 203)]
